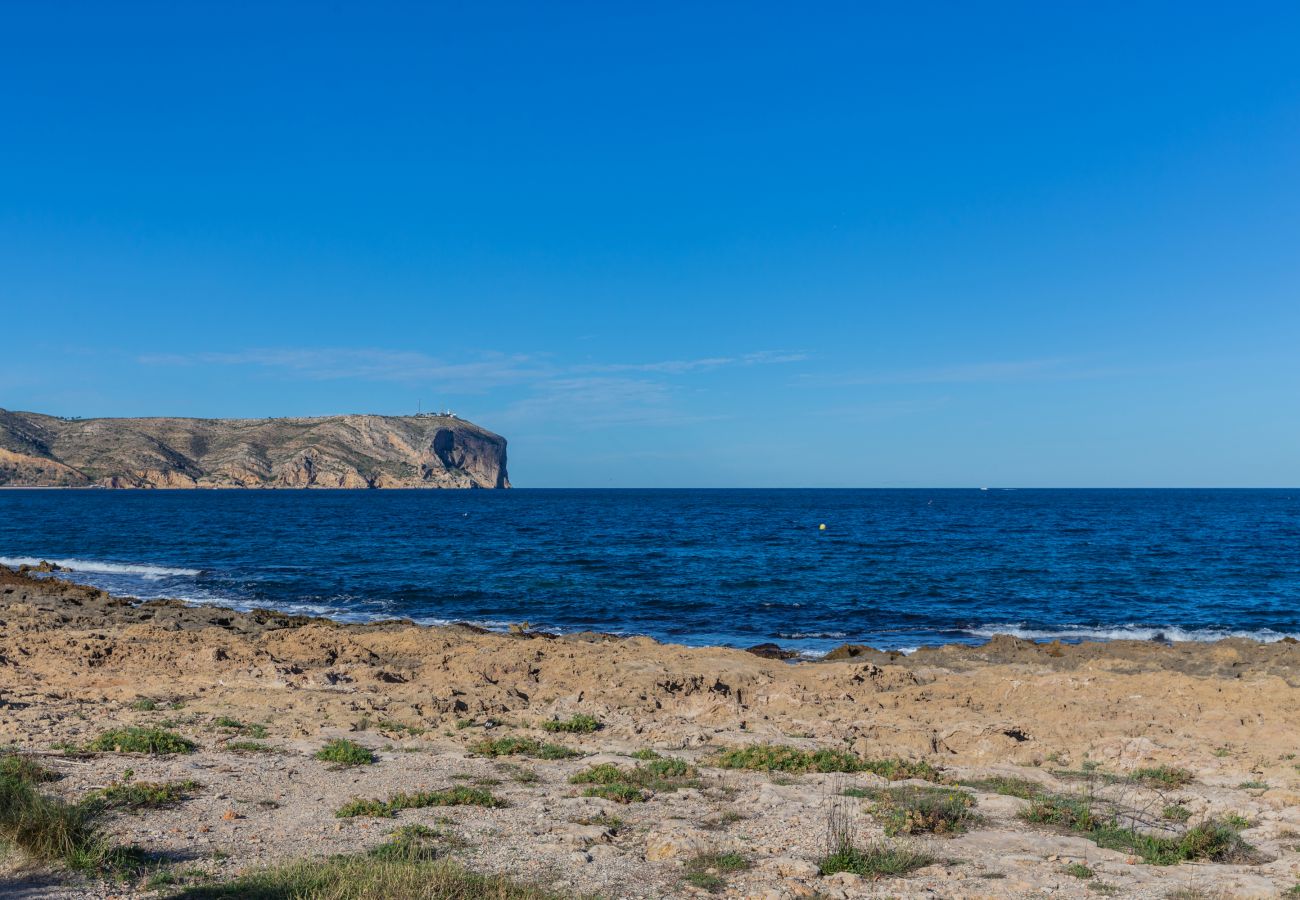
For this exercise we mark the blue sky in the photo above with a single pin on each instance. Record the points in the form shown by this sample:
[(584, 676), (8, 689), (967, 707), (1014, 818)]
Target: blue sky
[(674, 244)]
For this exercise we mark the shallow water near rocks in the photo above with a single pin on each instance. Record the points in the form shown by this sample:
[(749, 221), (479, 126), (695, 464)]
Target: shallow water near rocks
[(893, 568)]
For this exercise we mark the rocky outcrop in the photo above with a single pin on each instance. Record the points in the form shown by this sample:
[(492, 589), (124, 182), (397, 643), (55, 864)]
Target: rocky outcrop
[(355, 451)]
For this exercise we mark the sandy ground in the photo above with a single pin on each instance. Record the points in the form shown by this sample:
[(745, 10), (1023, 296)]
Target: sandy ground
[(75, 661)]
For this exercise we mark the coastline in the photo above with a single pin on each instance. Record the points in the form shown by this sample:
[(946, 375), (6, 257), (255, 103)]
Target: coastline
[(75, 661)]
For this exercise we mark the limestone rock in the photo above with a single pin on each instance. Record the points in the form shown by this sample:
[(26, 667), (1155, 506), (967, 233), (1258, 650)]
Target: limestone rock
[(789, 867), (581, 835), (665, 844), (352, 451)]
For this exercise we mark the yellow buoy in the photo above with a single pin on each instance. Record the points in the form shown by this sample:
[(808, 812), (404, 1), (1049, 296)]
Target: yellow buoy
[(821, 527)]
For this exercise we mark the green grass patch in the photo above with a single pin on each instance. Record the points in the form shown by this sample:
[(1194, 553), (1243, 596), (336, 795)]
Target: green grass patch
[(132, 795), (522, 746), (46, 828), (141, 740), (920, 810), (783, 758), (581, 723), (410, 843), (250, 747), (1175, 812), (1078, 870), (22, 767), (665, 768), (453, 796), (706, 870), (902, 769), (144, 704), (392, 725), (1005, 785), (619, 793), (52, 831), (254, 730), (367, 878), (621, 785), (1215, 841), (518, 773), (343, 752), (1161, 776), (1253, 786), (879, 860)]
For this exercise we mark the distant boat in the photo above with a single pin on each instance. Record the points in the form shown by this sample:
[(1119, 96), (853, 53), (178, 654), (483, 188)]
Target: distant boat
[(983, 489)]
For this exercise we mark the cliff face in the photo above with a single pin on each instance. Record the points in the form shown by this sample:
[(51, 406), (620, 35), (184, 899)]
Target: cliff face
[(329, 452)]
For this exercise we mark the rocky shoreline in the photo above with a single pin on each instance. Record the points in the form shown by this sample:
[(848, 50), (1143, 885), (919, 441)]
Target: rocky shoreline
[(432, 706)]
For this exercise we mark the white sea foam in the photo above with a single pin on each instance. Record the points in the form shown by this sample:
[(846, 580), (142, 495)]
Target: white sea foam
[(805, 635), (98, 567), (1125, 633)]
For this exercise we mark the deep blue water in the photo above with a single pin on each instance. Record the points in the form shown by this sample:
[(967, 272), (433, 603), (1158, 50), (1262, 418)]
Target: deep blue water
[(894, 568)]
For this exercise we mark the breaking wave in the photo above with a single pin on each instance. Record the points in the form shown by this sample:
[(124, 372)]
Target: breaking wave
[(98, 567), (1170, 633)]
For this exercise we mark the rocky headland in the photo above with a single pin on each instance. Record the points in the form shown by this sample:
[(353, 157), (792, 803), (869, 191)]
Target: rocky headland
[(352, 451), (589, 765)]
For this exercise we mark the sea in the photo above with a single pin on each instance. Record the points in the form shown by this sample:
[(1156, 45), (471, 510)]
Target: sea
[(805, 569)]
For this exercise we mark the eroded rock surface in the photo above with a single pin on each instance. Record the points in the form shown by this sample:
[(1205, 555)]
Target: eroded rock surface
[(75, 661), (354, 451)]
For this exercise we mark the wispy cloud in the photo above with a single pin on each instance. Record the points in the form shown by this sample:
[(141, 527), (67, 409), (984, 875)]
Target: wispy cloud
[(586, 394), (490, 369), (594, 401), (371, 364), (682, 366), (996, 372)]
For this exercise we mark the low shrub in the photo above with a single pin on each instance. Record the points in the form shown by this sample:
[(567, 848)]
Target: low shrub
[(619, 793), (662, 775), (345, 753), (522, 746), (783, 758), (368, 877), (605, 773), (1161, 776), (253, 731), (581, 723), (665, 768), (141, 740), (141, 794), (1214, 840), (922, 810), (454, 796)]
